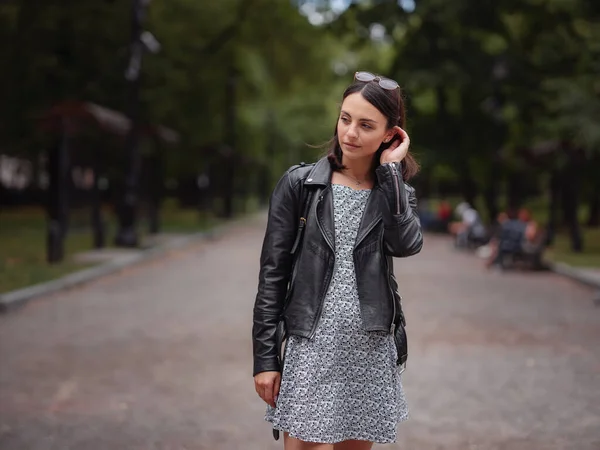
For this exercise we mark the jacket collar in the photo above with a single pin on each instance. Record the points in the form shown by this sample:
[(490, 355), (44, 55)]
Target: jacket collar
[(320, 173)]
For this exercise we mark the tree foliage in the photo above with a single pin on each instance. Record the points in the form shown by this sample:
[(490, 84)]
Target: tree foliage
[(487, 83)]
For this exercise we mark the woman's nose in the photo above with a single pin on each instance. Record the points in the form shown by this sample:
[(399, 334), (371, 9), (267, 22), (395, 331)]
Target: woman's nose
[(352, 131)]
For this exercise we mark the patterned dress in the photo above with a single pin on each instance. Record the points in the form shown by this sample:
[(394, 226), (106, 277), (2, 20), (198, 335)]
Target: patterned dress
[(343, 383)]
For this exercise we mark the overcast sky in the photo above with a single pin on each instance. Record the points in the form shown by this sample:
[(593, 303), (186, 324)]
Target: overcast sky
[(309, 9)]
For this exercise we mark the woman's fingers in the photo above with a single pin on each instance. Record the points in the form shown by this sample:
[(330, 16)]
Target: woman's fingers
[(262, 389), (266, 393), (267, 386), (276, 387), (403, 134), (395, 144), (268, 396), (404, 138)]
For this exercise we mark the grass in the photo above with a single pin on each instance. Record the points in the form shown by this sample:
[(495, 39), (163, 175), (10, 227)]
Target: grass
[(23, 250), (561, 251), (23, 240), (590, 257)]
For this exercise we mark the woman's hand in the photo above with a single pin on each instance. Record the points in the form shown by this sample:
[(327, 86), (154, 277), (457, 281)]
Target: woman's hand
[(267, 386), (398, 150)]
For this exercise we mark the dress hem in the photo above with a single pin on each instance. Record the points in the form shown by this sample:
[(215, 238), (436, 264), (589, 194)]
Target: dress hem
[(305, 438)]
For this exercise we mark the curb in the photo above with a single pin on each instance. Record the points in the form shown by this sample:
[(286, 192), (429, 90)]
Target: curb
[(14, 299), (574, 274)]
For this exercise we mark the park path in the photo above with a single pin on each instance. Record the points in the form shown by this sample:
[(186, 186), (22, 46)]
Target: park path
[(159, 357)]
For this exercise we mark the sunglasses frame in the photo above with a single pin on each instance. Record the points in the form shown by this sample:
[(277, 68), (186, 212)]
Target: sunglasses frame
[(384, 83)]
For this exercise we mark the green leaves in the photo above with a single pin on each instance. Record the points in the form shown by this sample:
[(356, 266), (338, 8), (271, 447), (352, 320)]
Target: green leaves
[(290, 74)]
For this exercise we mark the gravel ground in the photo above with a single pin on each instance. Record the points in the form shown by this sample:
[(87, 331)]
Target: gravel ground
[(159, 357)]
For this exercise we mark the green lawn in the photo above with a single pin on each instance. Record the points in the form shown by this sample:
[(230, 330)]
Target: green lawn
[(561, 251), (23, 241), (590, 257)]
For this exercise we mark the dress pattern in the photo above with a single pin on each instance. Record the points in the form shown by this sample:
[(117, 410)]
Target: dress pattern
[(343, 383)]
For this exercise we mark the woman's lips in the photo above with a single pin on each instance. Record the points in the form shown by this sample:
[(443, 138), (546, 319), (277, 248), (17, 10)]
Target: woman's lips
[(351, 145)]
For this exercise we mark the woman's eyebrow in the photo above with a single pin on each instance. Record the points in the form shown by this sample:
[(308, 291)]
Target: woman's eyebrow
[(364, 119)]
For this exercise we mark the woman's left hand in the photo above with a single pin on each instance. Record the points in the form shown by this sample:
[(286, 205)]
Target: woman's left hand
[(399, 148)]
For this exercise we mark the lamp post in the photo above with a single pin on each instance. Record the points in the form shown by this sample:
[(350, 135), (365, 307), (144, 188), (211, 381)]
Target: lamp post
[(58, 191), (126, 210)]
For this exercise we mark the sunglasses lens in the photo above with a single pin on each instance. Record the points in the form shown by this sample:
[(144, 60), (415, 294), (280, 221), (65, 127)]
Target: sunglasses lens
[(367, 77), (364, 76), (388, 84)]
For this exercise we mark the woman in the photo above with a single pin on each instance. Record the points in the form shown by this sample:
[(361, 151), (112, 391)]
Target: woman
[(333, 288)]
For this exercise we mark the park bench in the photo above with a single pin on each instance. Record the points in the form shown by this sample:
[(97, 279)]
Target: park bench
[(527, 255)]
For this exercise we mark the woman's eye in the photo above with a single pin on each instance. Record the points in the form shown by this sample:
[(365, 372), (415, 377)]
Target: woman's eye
[(345, 119), (368, 127)]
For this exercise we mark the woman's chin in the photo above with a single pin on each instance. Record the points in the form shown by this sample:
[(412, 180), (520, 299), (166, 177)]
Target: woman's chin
[(355, 153), (352, 151)]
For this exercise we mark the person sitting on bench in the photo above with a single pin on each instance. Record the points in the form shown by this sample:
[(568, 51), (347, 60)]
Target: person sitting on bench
[(470, 230), (517, 238)]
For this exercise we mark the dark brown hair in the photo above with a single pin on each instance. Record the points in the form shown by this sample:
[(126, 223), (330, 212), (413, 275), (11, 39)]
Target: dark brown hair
[(391, 104)]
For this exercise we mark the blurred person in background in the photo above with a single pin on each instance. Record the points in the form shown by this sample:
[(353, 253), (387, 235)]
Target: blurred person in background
[(444, 215), (518, 235), (532, 230), (327, 280), (436, 218), (469, 230), (508, 237)]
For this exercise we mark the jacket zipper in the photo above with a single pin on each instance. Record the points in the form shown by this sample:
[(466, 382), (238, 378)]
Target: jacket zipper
[(318, 317), (291, 287), (393, 298), (396, 186), (321, 228), (293, 251), (299, 234)]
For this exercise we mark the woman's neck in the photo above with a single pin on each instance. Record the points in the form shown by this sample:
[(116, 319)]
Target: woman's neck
[(359, 168)]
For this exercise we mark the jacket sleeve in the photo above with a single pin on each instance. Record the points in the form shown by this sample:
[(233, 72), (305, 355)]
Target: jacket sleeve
[(402, 227), (275, 268)]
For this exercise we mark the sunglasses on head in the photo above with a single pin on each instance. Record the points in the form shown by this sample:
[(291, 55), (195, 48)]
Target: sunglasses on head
[(385, 83)]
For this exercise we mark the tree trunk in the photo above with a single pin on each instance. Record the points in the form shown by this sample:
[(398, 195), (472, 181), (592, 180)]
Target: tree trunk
[(57, 203), (152, 187), (566, 200), (571, 184), (553, 207), (230, 139), (594, 200), (594, 208), (467, 184), (515, 191), (98, 226), (490, 194)]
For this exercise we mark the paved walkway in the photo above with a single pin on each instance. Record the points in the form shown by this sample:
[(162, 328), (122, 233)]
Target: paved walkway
[(159, 357)]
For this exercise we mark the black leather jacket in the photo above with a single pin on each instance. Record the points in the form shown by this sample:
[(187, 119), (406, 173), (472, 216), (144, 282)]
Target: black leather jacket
[(390, 227)]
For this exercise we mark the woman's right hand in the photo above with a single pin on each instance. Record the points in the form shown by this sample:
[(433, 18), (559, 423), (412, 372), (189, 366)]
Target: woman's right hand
[(267, 386)]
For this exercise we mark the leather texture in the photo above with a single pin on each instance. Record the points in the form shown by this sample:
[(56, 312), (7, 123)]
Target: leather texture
[(292, 285)]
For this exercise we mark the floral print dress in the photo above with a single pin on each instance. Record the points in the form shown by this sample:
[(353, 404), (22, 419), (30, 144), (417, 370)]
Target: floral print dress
[(343, 383)]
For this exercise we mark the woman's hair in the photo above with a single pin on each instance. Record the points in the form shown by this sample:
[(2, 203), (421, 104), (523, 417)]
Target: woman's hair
[(391, 104)]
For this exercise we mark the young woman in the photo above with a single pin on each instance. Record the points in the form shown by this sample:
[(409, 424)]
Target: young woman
[(332, 287)]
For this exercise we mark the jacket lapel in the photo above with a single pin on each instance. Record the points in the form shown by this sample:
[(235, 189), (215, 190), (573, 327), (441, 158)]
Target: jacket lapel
[(325, 217), (370, 218), (320, 175)]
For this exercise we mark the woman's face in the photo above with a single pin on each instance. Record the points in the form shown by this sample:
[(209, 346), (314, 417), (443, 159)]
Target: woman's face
[(361, 128)]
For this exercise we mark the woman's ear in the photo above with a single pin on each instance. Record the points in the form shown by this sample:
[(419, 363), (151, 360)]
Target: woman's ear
[(392, 134)]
